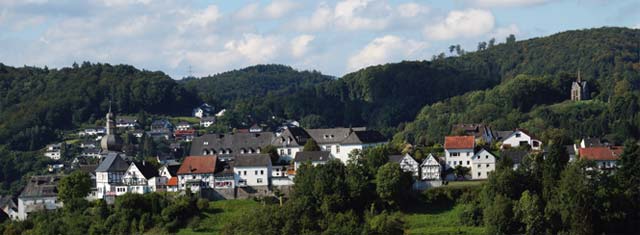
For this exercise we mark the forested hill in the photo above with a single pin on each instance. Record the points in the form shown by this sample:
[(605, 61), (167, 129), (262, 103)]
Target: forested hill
[(35, 102), (225, 89), (608, 58)]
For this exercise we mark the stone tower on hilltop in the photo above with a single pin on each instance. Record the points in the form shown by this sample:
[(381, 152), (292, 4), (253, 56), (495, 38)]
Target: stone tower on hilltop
[(579, 89)]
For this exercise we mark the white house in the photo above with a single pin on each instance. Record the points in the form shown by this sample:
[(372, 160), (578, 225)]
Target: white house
[(54, 151), (458, 150), (483, 162), (255, 128), (407, 164), (338, 141), (168, 173), (9, 206), (252, 170), (604, 157), (183, 126), (141, 178), (313, 157), (109, 176), (204, 110), (127, 122), (197, 172), (40, 194), (430, 168), (520, 137)]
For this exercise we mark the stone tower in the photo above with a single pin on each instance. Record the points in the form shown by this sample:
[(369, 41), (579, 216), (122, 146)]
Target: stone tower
[(111, 141), (579, 89)]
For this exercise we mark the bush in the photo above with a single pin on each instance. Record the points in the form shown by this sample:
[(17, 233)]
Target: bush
[(203, 204)]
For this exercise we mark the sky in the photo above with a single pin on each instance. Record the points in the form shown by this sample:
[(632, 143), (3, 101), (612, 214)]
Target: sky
[(200, 38)]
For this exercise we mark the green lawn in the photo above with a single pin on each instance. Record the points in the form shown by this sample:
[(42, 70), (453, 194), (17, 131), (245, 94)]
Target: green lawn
[(461, 184), (192, 120), (438, 221), (220, 213)]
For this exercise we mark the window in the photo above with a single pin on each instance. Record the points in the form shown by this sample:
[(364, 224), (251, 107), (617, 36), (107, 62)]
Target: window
[(455, 154), (259, 180), (479, 173), (261, 172), (460, 163), (245, 172), (281, 151), (468, 153), (205, 143), (448, 162), (256, 172), (486, 156), (479, 165), (468, 163), (288, 151), (337, 148), (517, 135), (487, 165)]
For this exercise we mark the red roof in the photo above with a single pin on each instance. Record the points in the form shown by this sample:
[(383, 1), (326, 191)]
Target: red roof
[(600, 153), (198, 165), (184, 132), (459, 142), (173, 181)]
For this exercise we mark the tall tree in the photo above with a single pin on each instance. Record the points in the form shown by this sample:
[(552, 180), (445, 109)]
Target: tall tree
[(310, 146), (76, 185)]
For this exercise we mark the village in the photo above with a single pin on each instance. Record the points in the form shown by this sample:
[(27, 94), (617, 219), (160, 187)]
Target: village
[(251, 163)]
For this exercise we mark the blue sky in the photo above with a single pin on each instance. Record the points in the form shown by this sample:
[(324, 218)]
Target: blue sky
[(333, 37)]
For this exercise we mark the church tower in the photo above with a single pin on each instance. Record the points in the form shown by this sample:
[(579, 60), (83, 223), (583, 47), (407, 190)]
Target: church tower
[(579, 89), (111, 141)]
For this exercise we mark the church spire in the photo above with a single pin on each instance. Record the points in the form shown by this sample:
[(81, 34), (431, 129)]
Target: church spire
[(579, 78)]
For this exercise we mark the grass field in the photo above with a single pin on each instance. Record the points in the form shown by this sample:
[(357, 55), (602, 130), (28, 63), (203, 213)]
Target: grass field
[(192, 120), (438, 221), (220, 213), (461, 184)]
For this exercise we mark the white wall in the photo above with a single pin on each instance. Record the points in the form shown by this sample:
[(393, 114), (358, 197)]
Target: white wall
[(288, 153), (253, 176), (463, 157), (30, 204), (483, 163), (207, 179)]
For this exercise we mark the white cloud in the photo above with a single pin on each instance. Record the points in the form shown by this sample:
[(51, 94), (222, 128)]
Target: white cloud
[(503, 32), (466, 23), (279, 8), (506, 3), (205, 17), (636, 26), (256, 48), (354, 15), (412, 9), (300, 44), (385, 49), (249, 11), (120, 3)]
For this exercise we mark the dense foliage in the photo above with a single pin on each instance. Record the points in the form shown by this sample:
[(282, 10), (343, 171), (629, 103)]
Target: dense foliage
[(36, 102), (359, 198)]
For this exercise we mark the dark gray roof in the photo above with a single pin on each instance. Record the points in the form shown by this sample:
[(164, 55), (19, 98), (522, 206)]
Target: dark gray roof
[(314, 156), (147, 170), (208, 118), (297, 134), (364, 137), (41, 186), (515, 155), (112, 162), (592, 142), (245, 160), (173, 169), (332, 135), (501, 135), (234, 142)]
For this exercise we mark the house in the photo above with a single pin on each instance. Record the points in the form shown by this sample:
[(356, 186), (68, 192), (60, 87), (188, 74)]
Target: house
[(166, 158), (313, 157), (54, 151), (141, 178), (579, 89), (109, 174), (90, 153), (183, 126), (482, 163), (88, 144), (225, 179), (520, 137), (92, 131), (204, 110), (255, 128), (516, 156), (197, 173), (226, 146), (479, 131), (157, 134), (604, 157), (430, 169), (185, 135), (221, 113), (207, 121), (161, 125), (252, 170), (169, 176), (127, 122), (339, 141), (458, 151), (592, 142), (41, 193), (407, 164), (9, 206)]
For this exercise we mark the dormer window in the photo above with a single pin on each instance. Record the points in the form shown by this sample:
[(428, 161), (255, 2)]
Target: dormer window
[(517, 135), (205, 143)]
